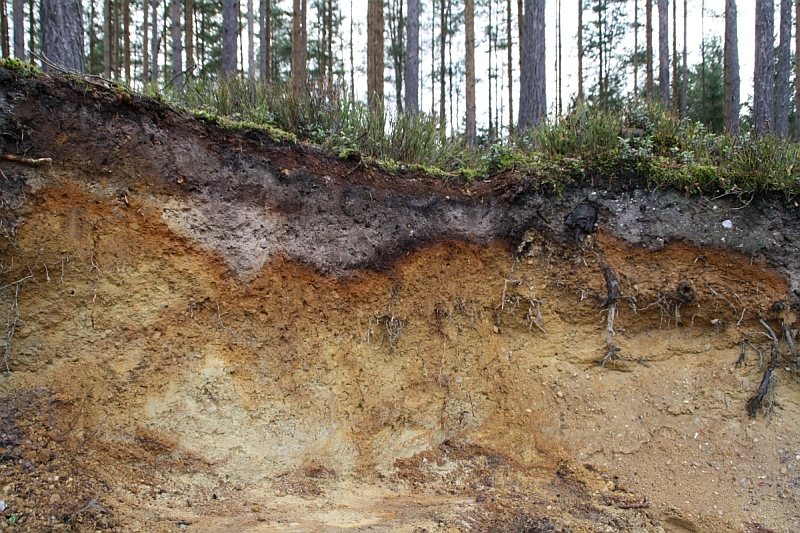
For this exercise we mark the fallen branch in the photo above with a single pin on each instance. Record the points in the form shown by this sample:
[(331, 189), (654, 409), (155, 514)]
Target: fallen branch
[(787, 332), (754, 402), (26, 160)]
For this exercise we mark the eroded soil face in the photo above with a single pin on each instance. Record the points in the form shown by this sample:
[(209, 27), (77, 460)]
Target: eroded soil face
[(182, 357)]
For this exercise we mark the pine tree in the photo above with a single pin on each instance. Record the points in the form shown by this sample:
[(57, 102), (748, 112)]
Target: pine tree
[(230, 35), (763, 89), (126, 39), (19, 29), (471, 124), (188, 30), (107, 39), (265, 37), (375, 52), (145, 40), (62, 33), (509, 49), (663, 51), (649, 82), (533, 77), (177, 43), (251, 42), (154, 40), (685, 75), (412, 57), (581, 94), (782, 85), (5, 49), (298, 50)]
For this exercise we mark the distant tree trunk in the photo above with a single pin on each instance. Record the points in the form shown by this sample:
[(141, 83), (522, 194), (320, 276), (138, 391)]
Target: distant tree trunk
[(31, 31), (107, 39), (330, 40), (649, 82), (177, 44), (489, 74), (442, 67), (251, 42), (636, 48), (188, 30), (145, 42), (782, 107), (126, 38), (265, 36), (763, 81), (115, 32), (298, 52), (375, 54), (154, 40), (230, 35), (412, 57), (675, 62), (532, 94), (433, 58), (685, 74), (509, 49), (580, 53), (797, 69), (5, 49), (663, 51), (62, 33), (92, 35), (469, 18), (19, 29), (559, 61), (352, 61)]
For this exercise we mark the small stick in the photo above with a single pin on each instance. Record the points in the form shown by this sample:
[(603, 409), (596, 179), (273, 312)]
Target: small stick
[(26, 160), (739, 362), (787, 332)]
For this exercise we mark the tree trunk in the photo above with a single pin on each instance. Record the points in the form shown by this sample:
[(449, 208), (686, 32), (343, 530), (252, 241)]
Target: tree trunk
[(649, 82), (663, 51), (489, 74), (796, 69), (763, 92), (230, 35), (685, 74), (298, 53), (442, 71), (330, 40), (5, 49), (251, 42), (412, 57), (469, 19), (107, 39), (19, 29), (115, 32), (31, 31), (92, 35), (532, 94), (509, 49), (62, 33), (177, 44), (145, 42), (265, 36), (580, 54), (126, 38), (352, 60), (782, 104), (375, 54), (154, 40), (559, 62), (636, 48), (188, 29), (675, 62)]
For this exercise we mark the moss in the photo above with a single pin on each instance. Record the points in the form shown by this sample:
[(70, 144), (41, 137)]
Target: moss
[(20, 67), (276, 134)]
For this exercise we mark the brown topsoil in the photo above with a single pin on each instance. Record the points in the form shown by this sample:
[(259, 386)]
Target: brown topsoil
[(167, 370)]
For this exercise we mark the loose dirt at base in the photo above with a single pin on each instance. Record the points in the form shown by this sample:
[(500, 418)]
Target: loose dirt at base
[(187, 361)]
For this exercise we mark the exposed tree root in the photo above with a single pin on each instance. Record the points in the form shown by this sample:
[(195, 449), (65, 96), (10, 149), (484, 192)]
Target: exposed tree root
[(610, 303), (755, 402)]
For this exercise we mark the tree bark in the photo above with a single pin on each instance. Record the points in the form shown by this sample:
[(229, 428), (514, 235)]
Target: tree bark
[(533, 78), (145, 42), (92, 36), (154, 40), (763, 82), (251, 42), (797, 70), (107, 39), (31, 31), (782, 98), (5, 49), (188, 30), (126, 38), (177, 44), (442, 67), (649, 82), (469, 18), (580, 53), (685, 74), (62, 33), (115, 33), (509, 49), (412, 57), (230, 36), (265, 36), (375, 54), (663, 51), (675, 62), (19, 29), (636, 48), (298, 52)]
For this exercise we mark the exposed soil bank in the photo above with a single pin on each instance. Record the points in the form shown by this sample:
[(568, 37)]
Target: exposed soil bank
[(212, 332)]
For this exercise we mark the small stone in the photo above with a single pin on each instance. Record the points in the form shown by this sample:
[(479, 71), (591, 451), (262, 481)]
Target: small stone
[(156, 335), (495, 329), (256, 509), (55, 498), (262, 518), (727, 224)]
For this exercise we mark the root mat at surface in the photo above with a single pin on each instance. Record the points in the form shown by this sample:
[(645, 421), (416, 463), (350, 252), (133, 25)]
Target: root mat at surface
[(208, 331)]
